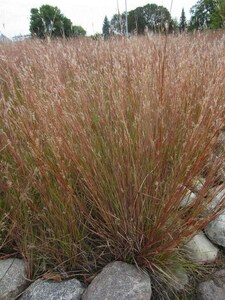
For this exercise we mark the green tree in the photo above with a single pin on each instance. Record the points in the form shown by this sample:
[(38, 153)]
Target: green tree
[(106, 28), (97, 36), (48, 21), (65, 27), (174, 25), (208, 14), (152, 16), (118, 23), (78, 31), (37, 26), (183, 22), (136, 20), (218, 16)]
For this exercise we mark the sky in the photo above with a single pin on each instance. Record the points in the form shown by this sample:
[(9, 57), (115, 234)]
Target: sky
[(15, 14)]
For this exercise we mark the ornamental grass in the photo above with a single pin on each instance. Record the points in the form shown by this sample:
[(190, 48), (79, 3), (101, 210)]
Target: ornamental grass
[(99, 143)]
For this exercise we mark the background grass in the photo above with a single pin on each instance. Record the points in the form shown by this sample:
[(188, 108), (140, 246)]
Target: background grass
[(100, 142)]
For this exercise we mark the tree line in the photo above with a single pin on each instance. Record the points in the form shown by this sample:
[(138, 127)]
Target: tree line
[(48, 21), (205, 14)]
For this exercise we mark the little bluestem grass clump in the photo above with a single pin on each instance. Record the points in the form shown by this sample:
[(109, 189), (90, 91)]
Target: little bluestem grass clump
[(99, 143)]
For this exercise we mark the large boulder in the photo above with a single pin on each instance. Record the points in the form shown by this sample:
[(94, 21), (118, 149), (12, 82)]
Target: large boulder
[(215, 230), (119, 280), (51, 290), (217, 199), (213, 289), (201, 250), (12, 278)]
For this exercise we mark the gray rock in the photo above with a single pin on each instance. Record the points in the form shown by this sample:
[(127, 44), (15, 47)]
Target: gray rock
[(219, 278), (51, 290), (216, 200), (12, 278), (210, 291), (201, 250), (213, 289), (188, 199), (119, 281), (215, 230)]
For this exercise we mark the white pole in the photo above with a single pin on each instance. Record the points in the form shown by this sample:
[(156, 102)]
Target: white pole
[(126, 18)]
